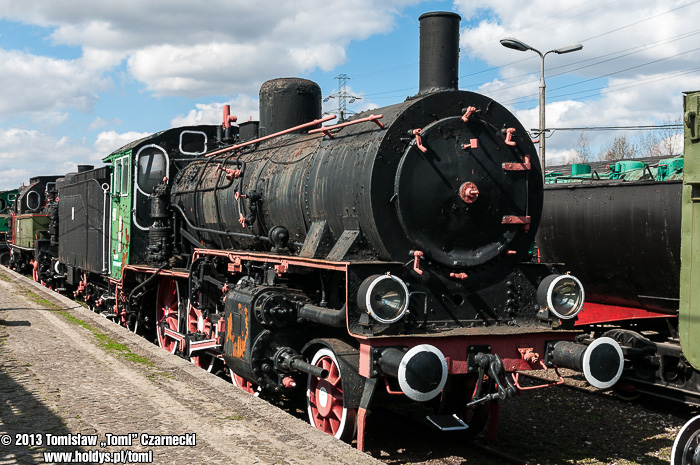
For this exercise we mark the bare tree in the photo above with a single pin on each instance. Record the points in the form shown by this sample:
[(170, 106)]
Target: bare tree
[(663, 142), (583, 150), (671, 138), (647, 143), (618, 149)]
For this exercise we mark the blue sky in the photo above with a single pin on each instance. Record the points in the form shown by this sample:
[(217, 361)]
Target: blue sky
[(80, 78)]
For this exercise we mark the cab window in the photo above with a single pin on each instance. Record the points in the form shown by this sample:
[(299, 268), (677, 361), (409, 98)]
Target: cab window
[(33, 200), (125, 176), (152, 168), (116, 185)]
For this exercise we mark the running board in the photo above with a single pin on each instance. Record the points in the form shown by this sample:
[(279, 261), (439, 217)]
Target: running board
[(447, 422)]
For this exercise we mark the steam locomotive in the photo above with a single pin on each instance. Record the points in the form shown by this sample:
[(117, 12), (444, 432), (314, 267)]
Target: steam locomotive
[(387, 256)]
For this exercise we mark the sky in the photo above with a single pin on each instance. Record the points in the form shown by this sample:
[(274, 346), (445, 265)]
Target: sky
[(81, 78)]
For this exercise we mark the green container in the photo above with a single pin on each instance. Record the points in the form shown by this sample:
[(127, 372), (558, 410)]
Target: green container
[(579, 169), (670, 168)]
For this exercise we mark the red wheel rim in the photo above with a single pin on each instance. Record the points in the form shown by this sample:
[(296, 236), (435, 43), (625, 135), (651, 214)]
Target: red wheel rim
[(35, 270), (197, 324), (167, 312), (243, 383), (324, 398)]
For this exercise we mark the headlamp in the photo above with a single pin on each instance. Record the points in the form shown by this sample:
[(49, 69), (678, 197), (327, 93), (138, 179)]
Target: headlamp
[(562, 294), (384, 297)]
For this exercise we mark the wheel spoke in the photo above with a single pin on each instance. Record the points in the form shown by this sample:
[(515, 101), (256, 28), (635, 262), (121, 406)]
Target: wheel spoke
[(167, 313), (244, 384), (333, 375), (334, 425), (337, 411), (335, 393), (326, 363)]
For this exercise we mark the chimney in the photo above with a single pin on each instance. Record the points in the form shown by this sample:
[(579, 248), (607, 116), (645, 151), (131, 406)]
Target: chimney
[(439, 51)]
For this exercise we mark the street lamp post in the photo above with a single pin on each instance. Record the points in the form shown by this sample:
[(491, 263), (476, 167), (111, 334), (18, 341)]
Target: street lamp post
[(516, 44)]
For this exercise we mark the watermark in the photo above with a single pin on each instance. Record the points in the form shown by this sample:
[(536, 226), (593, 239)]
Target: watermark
[(44, 441)]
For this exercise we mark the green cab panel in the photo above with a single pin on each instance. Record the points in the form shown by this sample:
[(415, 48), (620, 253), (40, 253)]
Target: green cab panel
[(689, 312), (120, 211), (7, 199), (28, 228), (4, 223)]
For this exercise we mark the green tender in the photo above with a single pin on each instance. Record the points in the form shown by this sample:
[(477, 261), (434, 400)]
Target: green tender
[(28, 228), (689, 312)]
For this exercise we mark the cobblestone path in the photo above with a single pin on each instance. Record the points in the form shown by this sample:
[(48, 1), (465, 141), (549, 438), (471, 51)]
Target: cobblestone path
[(67, 374)]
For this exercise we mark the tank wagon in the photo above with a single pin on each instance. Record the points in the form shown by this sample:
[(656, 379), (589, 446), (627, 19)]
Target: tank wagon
[(618, 225), (383, 257), (619, 228)]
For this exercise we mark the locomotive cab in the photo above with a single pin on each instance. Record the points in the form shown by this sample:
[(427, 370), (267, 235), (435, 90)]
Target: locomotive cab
[(137, 169)]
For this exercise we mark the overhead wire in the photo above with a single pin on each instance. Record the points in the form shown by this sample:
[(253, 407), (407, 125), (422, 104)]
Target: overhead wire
[(613, 56), (639, 22), (525, 28), (608, 89), (641, 127), (652, 78), (414, 64)]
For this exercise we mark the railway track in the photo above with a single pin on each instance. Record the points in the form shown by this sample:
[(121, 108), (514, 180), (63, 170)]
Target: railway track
[(552, 425), (563, 424)]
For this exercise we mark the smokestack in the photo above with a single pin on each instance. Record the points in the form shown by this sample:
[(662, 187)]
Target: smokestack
[(439, 51)]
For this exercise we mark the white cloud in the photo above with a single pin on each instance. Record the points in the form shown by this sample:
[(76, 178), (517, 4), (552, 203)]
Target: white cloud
[(36, 85), (109, 141), (625, 83), (25, 153), (98, 123), (12, 178), (214, 48), (560, 157), (243, 107)]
